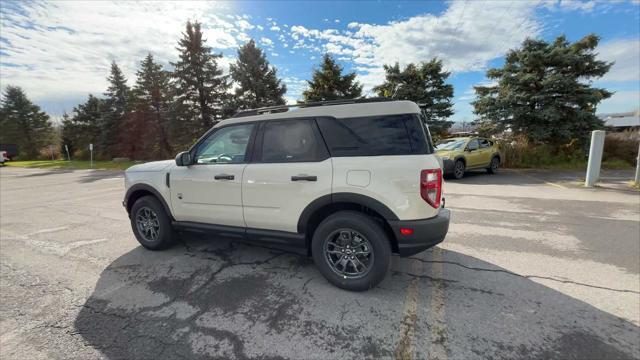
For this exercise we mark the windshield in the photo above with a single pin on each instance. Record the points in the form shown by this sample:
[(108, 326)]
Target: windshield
[(451, 145)]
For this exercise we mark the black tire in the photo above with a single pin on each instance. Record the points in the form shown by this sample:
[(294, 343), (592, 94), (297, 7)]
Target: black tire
[(493, 165), (149, 205), (371, 236), (459, 169)]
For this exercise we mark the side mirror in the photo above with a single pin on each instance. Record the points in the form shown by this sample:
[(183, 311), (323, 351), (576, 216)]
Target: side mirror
[(183, 159)]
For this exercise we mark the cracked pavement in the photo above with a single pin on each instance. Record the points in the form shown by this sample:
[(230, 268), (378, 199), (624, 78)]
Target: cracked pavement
[(528, 271)]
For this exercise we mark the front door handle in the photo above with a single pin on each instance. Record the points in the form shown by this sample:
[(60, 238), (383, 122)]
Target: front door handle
[(304, 178), (224, 177)]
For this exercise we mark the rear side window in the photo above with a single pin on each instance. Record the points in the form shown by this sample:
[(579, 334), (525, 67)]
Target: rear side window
[(291, 141), (370, 136)]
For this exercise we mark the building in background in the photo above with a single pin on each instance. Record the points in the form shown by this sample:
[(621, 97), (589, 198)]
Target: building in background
[(622, 121)]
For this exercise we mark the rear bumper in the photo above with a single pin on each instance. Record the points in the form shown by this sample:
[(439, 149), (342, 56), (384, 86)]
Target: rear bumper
[(426, 233)]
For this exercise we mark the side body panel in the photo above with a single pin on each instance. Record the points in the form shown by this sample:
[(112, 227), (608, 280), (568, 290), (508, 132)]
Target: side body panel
[(394, 181), (153, 179), (273, 201)]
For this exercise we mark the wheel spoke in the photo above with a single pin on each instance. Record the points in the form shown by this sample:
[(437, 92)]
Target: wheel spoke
[(348, 253)]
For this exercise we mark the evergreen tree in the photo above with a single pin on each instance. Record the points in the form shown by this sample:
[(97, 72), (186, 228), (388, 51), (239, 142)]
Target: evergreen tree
[(543, 91), (201, 89), (152, 101), (328, 83), (425, 84), (258, 84), (23, 123), (114, 111), (67, 135), (84, 127)]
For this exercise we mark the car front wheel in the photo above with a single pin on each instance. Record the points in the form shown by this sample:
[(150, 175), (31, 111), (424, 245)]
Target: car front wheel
[(151, 224), (459, 169), (351, 250)]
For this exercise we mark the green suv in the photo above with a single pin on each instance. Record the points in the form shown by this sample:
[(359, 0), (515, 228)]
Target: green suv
[(468, 153)]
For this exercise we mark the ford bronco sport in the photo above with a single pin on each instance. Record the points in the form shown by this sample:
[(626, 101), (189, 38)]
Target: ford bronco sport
[(346, 182)]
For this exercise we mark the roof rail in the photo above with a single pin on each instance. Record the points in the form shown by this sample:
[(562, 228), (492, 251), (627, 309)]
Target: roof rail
[(285, 108)]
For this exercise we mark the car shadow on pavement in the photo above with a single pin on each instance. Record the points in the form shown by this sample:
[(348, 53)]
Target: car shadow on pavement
[(204, 299), (88, 176)]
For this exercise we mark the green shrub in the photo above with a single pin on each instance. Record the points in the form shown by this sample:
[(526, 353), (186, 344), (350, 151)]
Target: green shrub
[(518, 153)]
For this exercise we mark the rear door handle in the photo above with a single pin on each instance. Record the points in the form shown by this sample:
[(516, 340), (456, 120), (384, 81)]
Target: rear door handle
[(304, 178), (224, 177)]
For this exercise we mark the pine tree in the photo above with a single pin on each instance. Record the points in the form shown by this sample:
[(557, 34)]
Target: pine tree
[(201, 89), (425, 84), (258, 84), (152, 101), (328, 83), (84, 127), (543, 91), (114, 111), (23, 123)]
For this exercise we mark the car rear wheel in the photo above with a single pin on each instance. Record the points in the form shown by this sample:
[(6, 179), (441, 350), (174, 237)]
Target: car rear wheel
[(493, 166), (151, 224), (351, 250), (459, 169)]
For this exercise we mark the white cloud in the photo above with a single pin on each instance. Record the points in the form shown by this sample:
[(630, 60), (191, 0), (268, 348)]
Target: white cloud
[(466, 37), (67, 49), (570, 5), (266, 42), (260, 27), (626, 55), (274, 28), (274, 54), (244, 25), (337, 21), (295, 87)]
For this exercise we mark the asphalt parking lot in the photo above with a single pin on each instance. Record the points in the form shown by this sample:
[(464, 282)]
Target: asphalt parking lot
[(532, 268)]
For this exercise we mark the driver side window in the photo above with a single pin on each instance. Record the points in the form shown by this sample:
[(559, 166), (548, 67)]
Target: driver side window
[(473, 144), (225, 146)]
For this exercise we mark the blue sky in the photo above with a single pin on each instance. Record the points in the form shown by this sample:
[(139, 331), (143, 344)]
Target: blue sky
[(61, 51)]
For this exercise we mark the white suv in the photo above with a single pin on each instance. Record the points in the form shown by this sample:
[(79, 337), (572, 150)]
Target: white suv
[(346, 182)]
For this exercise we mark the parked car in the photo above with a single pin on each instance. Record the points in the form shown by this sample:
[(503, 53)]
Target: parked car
[(3, 157), (468, 153), (348, 183), (10, 150)]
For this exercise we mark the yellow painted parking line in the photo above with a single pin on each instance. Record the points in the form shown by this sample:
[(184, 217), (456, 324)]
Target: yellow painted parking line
[(544, 181), (404, 350), (437, 311)]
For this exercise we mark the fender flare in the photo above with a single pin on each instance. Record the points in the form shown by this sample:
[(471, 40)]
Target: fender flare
[(343, 197), (460, 157), (153, 191)]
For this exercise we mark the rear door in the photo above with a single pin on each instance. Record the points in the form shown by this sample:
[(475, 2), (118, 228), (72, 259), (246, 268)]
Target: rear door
[(485, 151), (291, 168)]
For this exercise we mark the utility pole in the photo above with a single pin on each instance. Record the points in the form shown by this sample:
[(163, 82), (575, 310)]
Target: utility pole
[(637, 179)]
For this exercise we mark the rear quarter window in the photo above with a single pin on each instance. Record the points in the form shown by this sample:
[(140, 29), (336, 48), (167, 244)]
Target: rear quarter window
[(371, 136)]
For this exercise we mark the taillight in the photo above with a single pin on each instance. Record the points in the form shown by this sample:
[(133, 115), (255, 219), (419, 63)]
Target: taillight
[(431, 186)]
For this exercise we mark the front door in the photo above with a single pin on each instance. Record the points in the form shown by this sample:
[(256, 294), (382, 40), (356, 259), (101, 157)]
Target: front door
[(473, 156), (291, 169), (210, 190)]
